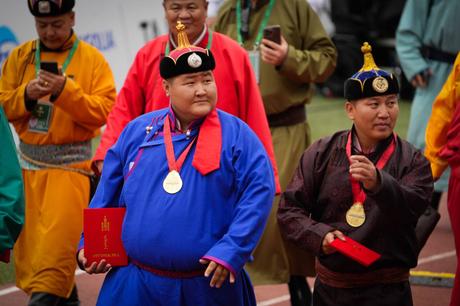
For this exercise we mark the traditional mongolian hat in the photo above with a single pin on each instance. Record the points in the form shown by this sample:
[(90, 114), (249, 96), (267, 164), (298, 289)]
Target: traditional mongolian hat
[(47, 8), (370, 80), (185, 58)]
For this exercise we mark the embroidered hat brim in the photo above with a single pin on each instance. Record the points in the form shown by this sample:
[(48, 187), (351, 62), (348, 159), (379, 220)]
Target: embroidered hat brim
[(188, 60), (50, 8)]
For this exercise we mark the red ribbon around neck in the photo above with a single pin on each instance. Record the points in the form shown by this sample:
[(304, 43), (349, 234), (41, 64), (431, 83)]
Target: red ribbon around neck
[(359, 196), (208, 148)]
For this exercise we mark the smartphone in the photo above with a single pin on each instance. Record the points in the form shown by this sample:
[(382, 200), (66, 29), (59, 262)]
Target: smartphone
[(50, 67), (273, 33)]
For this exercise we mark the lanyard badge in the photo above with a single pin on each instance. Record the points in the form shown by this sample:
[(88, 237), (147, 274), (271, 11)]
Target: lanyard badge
[(254, 54)]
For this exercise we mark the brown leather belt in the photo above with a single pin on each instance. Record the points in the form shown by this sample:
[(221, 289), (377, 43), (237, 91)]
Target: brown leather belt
[(294, 115), (170, 274), (352, 280)]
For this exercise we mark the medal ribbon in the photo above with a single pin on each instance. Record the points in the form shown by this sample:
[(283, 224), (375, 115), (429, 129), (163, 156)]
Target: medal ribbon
[(66, 62), (359, 196), (172, 163), (262, 25)]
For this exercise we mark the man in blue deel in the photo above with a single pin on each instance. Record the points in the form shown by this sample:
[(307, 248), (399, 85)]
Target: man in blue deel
[(197, 185)]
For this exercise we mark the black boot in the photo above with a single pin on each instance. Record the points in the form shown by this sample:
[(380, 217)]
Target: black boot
[(72, 300), (435, 198), (299, 291), (43, 299)]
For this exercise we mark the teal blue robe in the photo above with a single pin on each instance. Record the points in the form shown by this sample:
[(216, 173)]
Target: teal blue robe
[(11, 189), (435, 26)]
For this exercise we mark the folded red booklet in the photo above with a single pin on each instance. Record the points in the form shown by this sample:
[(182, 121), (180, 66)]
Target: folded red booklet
[(102, 231), (355, 251)]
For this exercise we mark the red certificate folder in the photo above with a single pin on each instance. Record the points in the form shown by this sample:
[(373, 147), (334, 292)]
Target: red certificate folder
[(102, 231), (355, 251)]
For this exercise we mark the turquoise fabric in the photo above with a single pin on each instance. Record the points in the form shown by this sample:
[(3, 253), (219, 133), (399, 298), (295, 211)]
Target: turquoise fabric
[(11, 188), (435, 26)]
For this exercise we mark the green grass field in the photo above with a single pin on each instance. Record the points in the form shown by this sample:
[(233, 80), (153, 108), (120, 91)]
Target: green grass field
[(6, 273), (326, 116)]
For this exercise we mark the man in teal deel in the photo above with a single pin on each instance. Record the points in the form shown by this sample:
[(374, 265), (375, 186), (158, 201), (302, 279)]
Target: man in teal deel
[(427, 42), (11, 191)]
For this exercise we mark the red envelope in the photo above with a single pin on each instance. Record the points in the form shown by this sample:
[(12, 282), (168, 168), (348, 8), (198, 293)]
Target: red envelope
[(355, 251), (102, 230)]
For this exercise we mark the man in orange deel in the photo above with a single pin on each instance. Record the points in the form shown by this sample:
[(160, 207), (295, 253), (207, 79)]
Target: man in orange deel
[(57, 91)]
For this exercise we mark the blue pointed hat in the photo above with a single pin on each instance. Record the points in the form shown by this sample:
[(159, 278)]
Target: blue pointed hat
[(370, 80)]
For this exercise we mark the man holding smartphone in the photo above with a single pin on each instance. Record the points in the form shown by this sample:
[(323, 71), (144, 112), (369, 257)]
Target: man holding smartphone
[(57, 105), (286, 69)]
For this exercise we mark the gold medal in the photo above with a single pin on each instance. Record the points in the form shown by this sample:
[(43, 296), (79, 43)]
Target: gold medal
[(173, 182), (355, 215)]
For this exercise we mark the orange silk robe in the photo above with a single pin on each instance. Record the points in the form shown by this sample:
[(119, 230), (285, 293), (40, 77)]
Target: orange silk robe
[(45, 251)]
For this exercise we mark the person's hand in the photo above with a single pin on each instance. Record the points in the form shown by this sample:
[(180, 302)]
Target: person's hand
[(94, 267), (421, 79), (98, 164), (219, 272), (331, 236), (53, 82), (273, 53), (364, 171), (37, 89)]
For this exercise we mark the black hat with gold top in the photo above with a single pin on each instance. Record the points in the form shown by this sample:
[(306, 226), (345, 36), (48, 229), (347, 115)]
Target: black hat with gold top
[(370, 80), (50, 8), (186, 58)]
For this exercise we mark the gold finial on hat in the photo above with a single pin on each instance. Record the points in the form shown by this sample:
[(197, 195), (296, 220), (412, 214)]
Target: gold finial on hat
[(182, 39), (369, 63)]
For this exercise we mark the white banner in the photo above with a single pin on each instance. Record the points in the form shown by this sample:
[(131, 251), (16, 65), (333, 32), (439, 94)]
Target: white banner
[(117, 28)]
